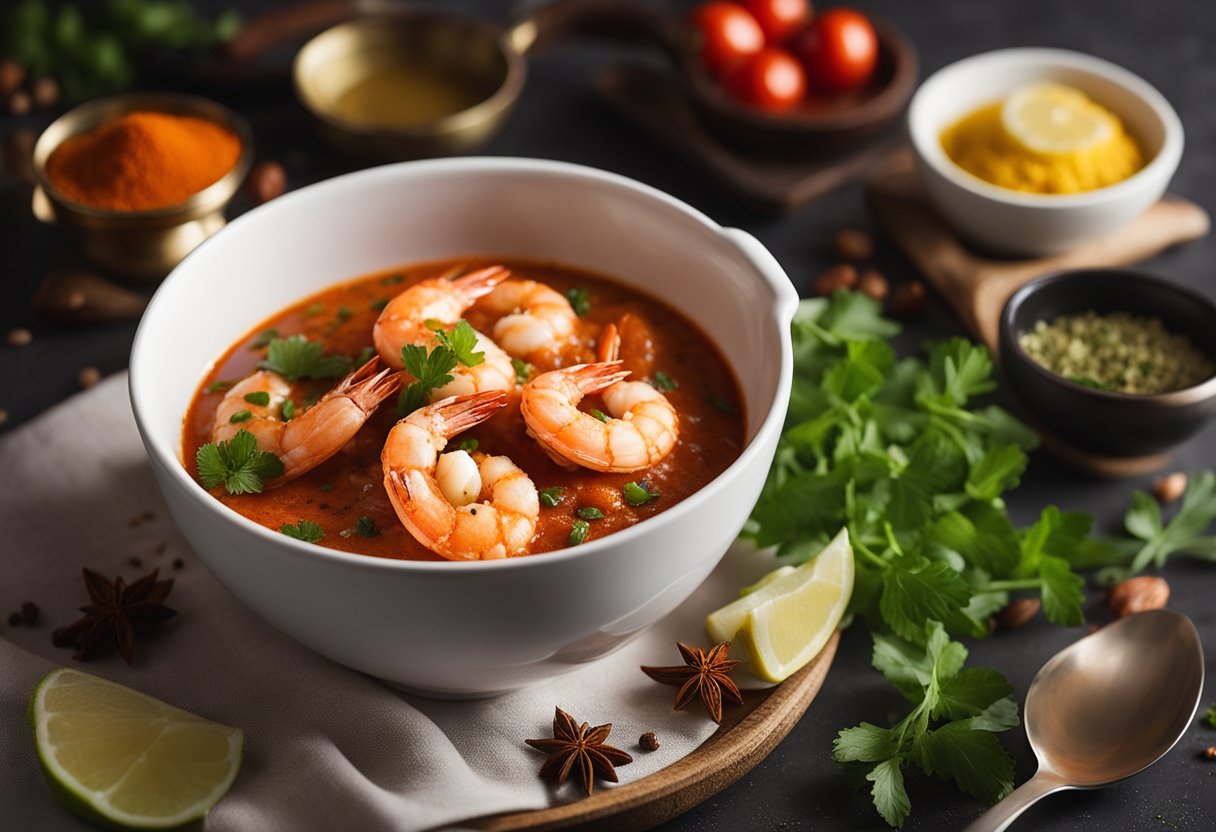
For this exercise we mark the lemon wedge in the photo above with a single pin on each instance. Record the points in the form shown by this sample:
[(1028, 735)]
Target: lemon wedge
[(784, 622), (121, 759), (1056, 119)]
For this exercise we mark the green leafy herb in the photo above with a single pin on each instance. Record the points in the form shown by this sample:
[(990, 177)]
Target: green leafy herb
[(1154, 542), (663, 382), (950, 731), (344, 313), (462, 341), (305, 530), (378, 305), (393, 280), (313, 310), (580, 300), (260, 397), (469, 445), (522, 370), (1209, 716), (240, 416), (430, 371), (366, 527), (599, 414), (327, 486), (590, 513), (288, 411), (719, 403), (297, 357), (638, 493), (263, 339), (218, 386), (578, 532), (1087, 381), (550, 497), (237, 464)]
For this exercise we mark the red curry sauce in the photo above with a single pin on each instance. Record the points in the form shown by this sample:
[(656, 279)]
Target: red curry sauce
[(655, 338)]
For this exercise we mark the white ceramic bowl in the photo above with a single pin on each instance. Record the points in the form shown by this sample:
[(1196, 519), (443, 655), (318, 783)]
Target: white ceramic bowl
[(466, 629), (1011, 222)]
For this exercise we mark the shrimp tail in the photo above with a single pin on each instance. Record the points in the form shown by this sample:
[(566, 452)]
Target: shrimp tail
[(459, 413), (592, 378), (367, 388), (480, 283), (610, 343)]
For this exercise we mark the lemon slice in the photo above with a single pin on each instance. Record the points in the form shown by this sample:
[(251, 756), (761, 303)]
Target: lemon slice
[(783, 624), (1055, 119), (125, 760)]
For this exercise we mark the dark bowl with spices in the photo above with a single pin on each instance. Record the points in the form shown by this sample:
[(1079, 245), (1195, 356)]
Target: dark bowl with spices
[(1113, 361)]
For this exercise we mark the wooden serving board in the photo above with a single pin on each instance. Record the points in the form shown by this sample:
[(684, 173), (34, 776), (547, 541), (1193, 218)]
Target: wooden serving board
[(748, 733)]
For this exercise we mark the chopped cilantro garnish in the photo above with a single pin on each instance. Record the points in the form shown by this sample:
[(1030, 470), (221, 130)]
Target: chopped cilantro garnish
[(599, 414), (264, 338), (344, 313), (522, 370), (580, 300), (288, 411), (240, 416), (314, 309), (550, 497), (469, 445), (578, 532), (1209, 716), (430, 371), (662, 381), (366, 527), (719, 403), (305, 530), (590, 513), (378, 305), (638, 493), (297, 357), (393, 279), (261, 398), (327, 486), (461, 340), (218, 386), (237, 463)]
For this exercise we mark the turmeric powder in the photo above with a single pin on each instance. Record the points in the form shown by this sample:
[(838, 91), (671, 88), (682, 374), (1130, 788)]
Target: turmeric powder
[(142, 161)]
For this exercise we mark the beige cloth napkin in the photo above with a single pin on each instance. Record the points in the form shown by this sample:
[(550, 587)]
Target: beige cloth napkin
[(325, 747)]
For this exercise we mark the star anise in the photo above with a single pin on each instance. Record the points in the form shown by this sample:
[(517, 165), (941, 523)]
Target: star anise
[(704, 674), (116, 613), (580, 748)]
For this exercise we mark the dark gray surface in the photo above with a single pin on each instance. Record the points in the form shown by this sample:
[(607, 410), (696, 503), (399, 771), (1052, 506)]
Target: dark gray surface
[(797, 787)]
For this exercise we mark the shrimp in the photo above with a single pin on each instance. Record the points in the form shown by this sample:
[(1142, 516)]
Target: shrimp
[(315, 435), (537, 319), (460, 506), (410, 317), (642, 429)]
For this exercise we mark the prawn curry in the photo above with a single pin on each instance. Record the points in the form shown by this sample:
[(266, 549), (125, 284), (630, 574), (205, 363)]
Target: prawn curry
[(464, 411)]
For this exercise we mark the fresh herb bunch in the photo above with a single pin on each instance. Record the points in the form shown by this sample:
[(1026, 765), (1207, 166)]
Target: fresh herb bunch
[(95, 55), (297, 357), (898, 451), (237, 464)]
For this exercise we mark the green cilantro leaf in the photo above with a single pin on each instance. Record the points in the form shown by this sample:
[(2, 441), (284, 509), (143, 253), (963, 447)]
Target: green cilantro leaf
[(378, 305), (599, 414), (430, 371), (578, 532), (218, 386), (240, 416), (462, 341), (366, 526), (865, 743), (297, 357), (522, 370), (550, 497), (998, 471), (580, 301), (974, 760), (1062, 595), (663, 382), (890, 796), (288, 411), (638, 493), (590, 513), (260, 398), (237, 464), (469, 445), (305, 530), (263, 339)]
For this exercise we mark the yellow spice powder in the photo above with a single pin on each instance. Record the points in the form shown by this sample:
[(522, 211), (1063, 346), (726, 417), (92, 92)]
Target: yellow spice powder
[(980, 145)]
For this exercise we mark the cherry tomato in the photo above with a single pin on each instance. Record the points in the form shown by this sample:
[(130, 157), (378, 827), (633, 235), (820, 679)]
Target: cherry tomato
[(729, 33), (839, 50), (771, 80), (779, 19)]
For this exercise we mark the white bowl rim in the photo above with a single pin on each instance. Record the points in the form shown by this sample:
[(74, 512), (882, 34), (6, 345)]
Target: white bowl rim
[(772, 274), (1163, 163)]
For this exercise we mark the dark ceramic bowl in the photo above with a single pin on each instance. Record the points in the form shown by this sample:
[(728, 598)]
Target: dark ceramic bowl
[(1113, 424)]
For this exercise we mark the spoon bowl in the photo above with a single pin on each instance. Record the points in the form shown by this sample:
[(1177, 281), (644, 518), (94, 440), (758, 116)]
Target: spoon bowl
[(1107, 707)]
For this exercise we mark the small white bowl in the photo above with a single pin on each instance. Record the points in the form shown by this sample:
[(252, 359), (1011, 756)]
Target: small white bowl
[(1016, 223), (466, 629)]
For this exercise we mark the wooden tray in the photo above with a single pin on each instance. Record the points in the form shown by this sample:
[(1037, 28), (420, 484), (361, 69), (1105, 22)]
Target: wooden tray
[(748, 733)]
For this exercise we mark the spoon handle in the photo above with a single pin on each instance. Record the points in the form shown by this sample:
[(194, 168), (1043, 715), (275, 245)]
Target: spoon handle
[(1000, 816)]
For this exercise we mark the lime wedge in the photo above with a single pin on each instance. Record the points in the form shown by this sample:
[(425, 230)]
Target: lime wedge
[(783, 624), (1054, 119), (124, 760)]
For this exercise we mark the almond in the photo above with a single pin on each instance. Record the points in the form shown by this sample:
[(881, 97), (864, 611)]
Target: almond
[(1137, 595), (840, 276), (1018, 612), (1169, 488)]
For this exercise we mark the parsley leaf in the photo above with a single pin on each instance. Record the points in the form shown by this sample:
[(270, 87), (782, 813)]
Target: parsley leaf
[(1155, 542), (578, 532), (430, 371), (260, 398), (522, 370), (263, 339), (550, 497), (237, 464), (462, 340), (638, 493), (218, 386), (297, 357), (305, 530), (366, 526), (590, 513), (580, 300), (663, 382), (469, 445)]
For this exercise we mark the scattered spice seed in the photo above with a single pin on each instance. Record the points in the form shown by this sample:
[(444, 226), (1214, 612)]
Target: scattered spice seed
[(853, 245), (45, 92), (1169, 488), (30, 613), (704, 674), (581, 750), (1209, 753), (266, 181), (19, 103), (872, 283), (649, 741), (840, 276), (117, 611), (19, 337), (909, 300), (88, 376)]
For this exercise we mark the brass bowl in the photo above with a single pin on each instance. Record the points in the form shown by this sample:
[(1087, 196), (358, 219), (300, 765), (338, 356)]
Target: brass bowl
[(141, 245), (473, 52)]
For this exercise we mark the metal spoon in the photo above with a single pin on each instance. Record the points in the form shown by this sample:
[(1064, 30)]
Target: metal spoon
[(1107, 707)]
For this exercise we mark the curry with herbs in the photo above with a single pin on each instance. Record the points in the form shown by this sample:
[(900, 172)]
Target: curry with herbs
[(465, 411)]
